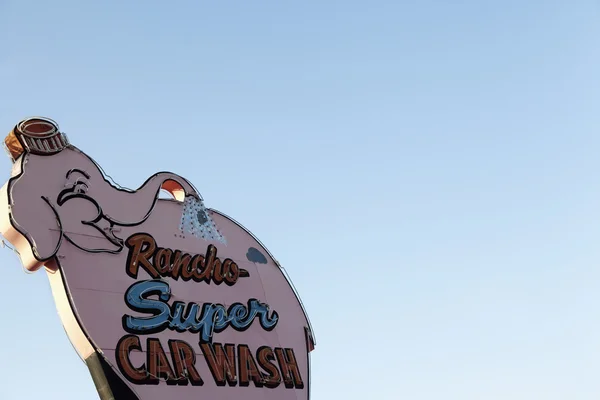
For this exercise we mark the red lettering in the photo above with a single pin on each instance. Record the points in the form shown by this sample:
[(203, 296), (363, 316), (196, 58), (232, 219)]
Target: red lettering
[(181, 265), (158, 363), (289, 368), (231, 272), (163, 262), (125, 346), (248, 368), (209, 260), (221, 362), (196, 267), (141, 247), (266, 358), (184, 360)]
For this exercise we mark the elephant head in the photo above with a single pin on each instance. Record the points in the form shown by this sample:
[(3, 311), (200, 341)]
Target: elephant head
[(57, 193)]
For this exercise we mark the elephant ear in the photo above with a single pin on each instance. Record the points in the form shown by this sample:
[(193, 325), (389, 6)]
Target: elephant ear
[(36, 228)]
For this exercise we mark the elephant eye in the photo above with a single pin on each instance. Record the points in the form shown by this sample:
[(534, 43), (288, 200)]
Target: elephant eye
[(80, 187)]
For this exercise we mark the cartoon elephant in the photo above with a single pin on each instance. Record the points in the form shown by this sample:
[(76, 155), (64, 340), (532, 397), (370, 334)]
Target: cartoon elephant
[(65, 196), (136, 277)]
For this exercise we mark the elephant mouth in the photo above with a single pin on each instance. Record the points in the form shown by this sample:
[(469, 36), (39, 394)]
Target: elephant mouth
[(106, 227)]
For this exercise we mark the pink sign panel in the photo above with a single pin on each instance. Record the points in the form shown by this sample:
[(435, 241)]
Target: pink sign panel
[(162, 298)]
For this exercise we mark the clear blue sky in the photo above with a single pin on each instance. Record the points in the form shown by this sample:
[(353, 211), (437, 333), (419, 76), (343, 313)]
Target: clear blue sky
[(427, 171)]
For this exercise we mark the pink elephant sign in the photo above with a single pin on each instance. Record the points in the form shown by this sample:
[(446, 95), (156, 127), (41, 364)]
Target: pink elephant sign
[(161, 297)]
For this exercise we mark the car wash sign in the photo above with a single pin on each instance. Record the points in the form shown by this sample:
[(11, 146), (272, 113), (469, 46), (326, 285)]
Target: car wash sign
[(159, 296), (229, 364)]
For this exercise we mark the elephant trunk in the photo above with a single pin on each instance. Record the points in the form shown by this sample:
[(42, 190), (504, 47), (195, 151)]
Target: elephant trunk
[(131, 208)]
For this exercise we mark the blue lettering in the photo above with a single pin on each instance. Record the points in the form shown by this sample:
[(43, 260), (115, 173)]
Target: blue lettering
[(266, 322), (212, 314), (136, 299), (206, 320), (181, 321)]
